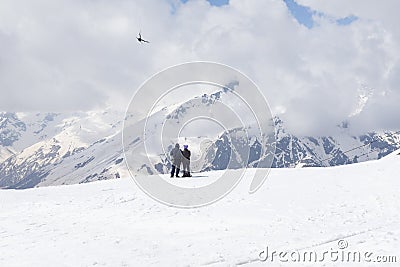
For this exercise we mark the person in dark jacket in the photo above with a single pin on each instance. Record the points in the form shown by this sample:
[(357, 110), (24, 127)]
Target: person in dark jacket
[(176, 157), (186, 161)]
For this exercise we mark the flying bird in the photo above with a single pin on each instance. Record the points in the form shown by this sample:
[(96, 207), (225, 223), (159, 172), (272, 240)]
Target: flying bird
[(141, 40)]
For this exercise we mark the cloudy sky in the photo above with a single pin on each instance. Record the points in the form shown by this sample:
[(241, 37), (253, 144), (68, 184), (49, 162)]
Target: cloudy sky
[(318, 62)]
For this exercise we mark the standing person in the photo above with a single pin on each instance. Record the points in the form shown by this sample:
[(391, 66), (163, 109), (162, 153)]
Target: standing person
[(176, 160), (186, 161)]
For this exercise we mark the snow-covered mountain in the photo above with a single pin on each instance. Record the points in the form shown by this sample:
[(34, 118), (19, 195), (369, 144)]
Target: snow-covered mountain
[(38, 149), (48, 149), (340, 148), (311, 151)]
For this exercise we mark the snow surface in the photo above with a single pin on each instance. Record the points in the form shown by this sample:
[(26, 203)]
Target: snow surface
[(113, 223)]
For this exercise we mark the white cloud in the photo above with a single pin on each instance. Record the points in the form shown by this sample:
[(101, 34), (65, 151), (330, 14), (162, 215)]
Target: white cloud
[(58, 55)]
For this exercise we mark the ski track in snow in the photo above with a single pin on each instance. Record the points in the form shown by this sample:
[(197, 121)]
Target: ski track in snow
[(112, 223)]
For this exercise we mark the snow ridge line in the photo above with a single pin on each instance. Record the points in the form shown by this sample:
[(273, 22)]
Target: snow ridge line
[(253, 259), (340, 237)]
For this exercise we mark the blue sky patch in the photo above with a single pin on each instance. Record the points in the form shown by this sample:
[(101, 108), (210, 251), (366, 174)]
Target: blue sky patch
[(347, 20), (218, 2), (214, 2), (304, 15)]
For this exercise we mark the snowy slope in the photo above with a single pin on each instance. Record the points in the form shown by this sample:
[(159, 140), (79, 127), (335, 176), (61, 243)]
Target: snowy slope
[(112, 223)]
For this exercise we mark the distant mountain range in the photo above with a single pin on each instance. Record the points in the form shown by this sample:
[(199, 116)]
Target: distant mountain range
[(41, 149)]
